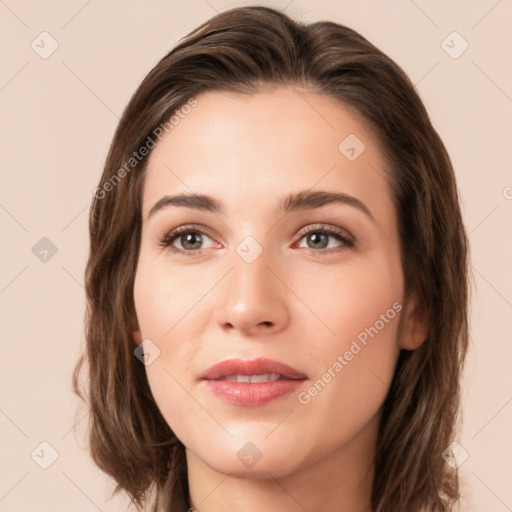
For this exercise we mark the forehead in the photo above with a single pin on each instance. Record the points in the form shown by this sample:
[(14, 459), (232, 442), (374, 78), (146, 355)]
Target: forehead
[(248, 149)]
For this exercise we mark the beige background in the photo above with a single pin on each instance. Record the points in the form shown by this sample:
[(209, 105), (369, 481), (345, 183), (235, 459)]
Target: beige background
[(58, 117)]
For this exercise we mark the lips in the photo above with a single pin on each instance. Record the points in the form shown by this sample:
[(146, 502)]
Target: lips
[(251, 383), (254, 367)]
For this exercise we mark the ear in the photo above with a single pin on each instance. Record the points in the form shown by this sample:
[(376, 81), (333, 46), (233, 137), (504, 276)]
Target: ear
[(134, 329), (137, 337), (414, 323)]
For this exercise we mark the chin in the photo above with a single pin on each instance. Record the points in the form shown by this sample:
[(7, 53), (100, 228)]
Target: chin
[(252, 455), (277, 465)]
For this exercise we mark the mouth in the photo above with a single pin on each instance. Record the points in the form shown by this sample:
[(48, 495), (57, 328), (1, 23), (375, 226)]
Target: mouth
[(251, 383)]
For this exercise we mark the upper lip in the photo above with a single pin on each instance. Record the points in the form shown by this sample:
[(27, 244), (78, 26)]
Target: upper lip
[(251, 367)]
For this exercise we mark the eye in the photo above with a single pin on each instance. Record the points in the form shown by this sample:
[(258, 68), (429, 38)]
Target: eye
[(190, 238), (317, 238)]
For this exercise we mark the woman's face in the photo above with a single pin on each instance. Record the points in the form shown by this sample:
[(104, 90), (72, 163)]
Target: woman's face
[(278, 271)]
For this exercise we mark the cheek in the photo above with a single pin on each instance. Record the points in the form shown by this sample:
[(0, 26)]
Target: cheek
[(346, 301), (165, 299), (165, 304), (357, 312)]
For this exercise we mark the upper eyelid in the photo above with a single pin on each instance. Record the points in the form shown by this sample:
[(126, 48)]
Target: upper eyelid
[(186, 228), (333, 230)]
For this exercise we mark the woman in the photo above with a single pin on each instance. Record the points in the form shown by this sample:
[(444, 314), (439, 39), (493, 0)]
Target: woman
[(277, 280)]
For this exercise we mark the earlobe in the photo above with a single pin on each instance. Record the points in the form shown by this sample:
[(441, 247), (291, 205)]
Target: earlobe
[(414, 324), (137, 337), (134, 329)]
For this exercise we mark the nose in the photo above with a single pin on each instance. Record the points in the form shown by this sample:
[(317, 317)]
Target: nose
[(252, 298)]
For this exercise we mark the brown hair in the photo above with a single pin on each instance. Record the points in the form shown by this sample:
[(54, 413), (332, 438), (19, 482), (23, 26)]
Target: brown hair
[(243, 50)]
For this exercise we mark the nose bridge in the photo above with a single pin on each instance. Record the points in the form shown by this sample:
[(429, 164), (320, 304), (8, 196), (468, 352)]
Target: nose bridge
[(251, 264)]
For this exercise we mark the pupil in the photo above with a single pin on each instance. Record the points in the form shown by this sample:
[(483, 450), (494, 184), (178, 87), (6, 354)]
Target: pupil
[(191, 236), (317, 237)]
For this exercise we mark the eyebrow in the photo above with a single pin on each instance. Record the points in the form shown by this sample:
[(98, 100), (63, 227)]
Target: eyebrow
[(303, 200)]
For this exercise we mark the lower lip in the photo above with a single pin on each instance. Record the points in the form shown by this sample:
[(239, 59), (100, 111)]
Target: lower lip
[(251, 394)]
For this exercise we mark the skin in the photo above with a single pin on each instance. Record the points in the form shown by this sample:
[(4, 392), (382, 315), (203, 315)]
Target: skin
[(291, 304)]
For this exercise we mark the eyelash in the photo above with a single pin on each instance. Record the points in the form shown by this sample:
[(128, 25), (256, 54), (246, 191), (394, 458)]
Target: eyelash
[(340, 235)]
